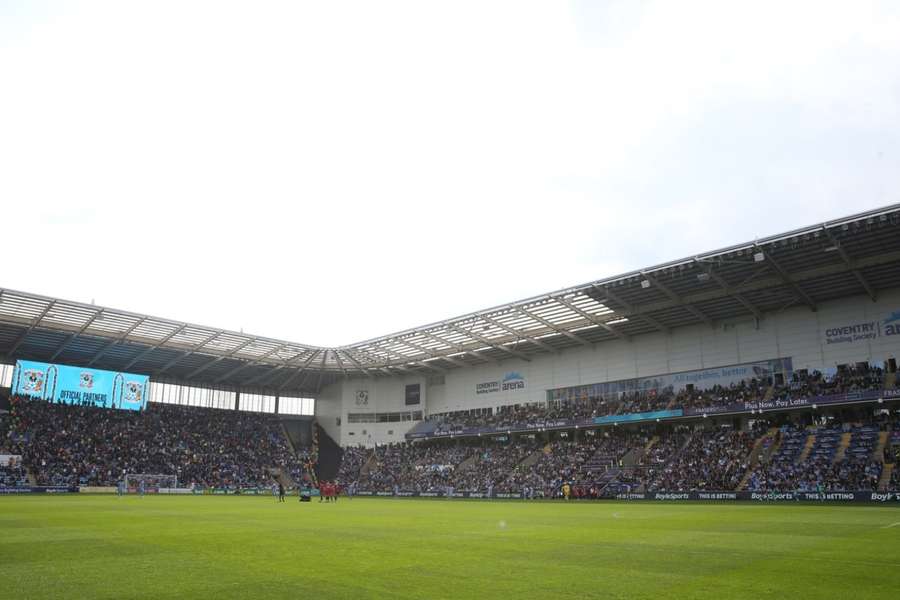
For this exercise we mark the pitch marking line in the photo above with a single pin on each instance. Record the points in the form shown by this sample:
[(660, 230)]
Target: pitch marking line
[(891, 525)]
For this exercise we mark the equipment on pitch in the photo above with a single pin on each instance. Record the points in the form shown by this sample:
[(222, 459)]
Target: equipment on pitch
[(152, 482)]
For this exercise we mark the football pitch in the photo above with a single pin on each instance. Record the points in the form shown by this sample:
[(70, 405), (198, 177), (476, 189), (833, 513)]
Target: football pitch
[(253, 547)]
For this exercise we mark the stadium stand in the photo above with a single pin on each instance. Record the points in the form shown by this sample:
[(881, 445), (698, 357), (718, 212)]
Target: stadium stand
[(739, 369), (70, 445), (711, 460), (671, 459), (73, 445)]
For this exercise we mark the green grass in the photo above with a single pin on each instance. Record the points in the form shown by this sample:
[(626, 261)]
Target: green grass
[(243, 547)]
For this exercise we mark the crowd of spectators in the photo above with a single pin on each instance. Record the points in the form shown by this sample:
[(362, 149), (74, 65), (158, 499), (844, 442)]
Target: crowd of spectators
[(679, 459), (799, 466), (749, 390), (715, 459), (74, 445), (352, 460), (849, 379), (801, 385), (12, 473)]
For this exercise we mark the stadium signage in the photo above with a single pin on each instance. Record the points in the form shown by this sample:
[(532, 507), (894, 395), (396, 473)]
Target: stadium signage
[(668, 496), (789, 403), (511, 381), (738, 407), (488, 387), (406, 494), (517, 428), (724, 376), (697, 496), (862, 331), (643, 416), (716, 496), (772, 496), (80, 385), (39, 490)]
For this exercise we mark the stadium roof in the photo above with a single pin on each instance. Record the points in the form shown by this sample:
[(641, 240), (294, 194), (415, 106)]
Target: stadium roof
[(859, 254)]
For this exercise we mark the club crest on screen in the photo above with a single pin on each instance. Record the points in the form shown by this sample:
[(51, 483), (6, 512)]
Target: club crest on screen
[(133, 390), (34, 380), (87, 380)]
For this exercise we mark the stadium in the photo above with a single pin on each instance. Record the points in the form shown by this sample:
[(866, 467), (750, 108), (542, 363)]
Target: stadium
[(723, 425), (450, 300)]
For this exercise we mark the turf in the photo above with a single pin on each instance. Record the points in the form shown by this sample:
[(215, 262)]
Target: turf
[(243, 547)]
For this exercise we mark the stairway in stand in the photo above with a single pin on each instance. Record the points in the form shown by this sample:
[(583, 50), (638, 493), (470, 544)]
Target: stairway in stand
[(287, 436), (842, 448), (885, 480), (807, 448), (282, 477), (883, 438), (758, 448), (773, 449), (535, 456), (467, 462)]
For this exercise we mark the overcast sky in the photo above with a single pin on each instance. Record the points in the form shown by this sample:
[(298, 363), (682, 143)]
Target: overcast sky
[(327, 172)]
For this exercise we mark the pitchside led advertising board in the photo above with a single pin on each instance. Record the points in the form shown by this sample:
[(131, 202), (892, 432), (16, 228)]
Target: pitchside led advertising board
[(80, 386)]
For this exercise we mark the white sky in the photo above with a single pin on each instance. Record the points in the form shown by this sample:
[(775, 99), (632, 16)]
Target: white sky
[(327, 172)]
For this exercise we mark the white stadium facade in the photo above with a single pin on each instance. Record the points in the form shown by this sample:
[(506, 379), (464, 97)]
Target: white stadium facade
[(815, 298)]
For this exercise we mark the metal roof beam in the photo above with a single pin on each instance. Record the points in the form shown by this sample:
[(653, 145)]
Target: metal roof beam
[(677, 299), (431, 367), (519, 334), (299, 371), (147, 351), (251, 363), (758, 283), (115, 341), (431, 353), (73, 336), (487, 342), (387, 351), (231, 353), (407, 359), (457, 347), (592, 318), (31, 327), (724, 285), (524, 311), (358, 364), (849, 262), (286, 364), (340, 363), (385, 367), (785, 276), (321, 371), (632, 310), (193, 350)]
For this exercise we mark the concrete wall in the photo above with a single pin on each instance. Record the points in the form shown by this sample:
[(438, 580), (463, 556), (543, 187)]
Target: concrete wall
[(797, 333)]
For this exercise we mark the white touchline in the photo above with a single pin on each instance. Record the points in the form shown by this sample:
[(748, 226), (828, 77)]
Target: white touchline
[(891, 525)]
